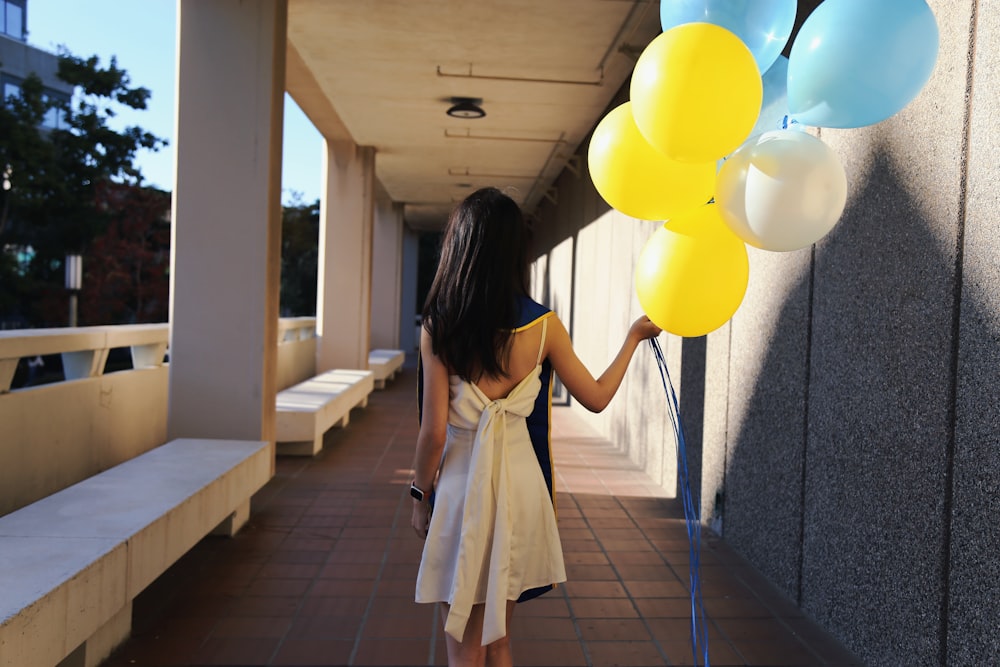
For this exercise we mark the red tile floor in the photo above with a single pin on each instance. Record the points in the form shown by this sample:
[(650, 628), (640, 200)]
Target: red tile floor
[(323, 573)]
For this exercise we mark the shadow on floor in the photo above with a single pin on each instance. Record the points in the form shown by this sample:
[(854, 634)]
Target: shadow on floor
[(323, 573)]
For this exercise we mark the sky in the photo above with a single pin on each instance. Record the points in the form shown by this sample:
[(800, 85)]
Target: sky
[(142, 35)]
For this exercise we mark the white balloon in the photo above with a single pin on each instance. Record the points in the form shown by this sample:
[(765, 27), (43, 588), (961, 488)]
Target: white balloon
[(782, 190)]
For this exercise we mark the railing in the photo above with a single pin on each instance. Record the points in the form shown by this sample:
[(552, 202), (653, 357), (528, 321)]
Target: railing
[(84, 350), (296, 328), (55, 434), (296, 350)]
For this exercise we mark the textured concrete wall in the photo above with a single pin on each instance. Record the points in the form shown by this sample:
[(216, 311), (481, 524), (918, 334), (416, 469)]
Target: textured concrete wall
[(765, 429), (847, 380), (58, 434), (296, 362), (584, 271), (848, 432), (973, 567)]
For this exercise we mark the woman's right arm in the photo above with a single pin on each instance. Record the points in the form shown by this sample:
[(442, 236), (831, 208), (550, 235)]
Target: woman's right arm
[(433, 429), (594, 394)]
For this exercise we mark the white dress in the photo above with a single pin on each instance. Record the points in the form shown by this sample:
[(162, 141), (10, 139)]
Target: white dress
[(492, 533)]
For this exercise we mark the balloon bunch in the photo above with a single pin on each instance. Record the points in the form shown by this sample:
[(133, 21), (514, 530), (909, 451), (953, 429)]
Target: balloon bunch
[(713, 88)]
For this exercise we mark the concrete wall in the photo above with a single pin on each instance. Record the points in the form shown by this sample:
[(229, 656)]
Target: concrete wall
[(408, 338), (296, 351), (973, 575), (850, 433), (18, 59), (583, 271), (56, 435)]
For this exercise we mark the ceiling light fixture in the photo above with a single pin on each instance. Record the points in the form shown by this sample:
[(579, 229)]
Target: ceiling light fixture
[(466, 107)]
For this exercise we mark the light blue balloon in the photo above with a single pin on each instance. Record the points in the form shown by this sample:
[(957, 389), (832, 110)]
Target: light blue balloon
[(857, 62), (763, 25), (774, 107)]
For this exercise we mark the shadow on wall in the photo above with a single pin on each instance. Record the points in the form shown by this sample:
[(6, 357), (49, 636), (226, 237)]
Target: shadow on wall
[(838, 480)]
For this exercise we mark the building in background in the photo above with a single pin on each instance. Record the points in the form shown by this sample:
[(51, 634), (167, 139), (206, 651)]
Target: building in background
[(18, 59)]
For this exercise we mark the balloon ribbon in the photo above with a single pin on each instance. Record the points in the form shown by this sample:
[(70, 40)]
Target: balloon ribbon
[(699, 630)]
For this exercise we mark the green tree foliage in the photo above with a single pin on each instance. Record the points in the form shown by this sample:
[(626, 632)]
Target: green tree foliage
[(49, 201), (299, 258)]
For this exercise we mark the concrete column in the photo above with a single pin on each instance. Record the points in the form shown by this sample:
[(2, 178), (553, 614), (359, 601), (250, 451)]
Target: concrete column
[(387, 267), (227, 219), (408, 338), (343, 308)]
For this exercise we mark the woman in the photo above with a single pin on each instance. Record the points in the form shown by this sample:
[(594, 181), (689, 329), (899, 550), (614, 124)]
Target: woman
[(487, 353)]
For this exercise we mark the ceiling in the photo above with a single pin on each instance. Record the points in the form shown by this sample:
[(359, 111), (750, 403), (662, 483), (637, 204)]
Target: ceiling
[(381, 73)]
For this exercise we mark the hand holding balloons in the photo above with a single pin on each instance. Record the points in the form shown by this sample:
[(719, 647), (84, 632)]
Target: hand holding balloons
[(692, 274), (696, 96)]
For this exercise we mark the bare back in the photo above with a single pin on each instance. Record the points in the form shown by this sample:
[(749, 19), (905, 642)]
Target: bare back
[(525, 354)]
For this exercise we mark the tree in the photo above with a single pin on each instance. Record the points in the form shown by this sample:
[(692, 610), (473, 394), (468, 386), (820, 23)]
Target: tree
[(131, 282), (299, 258), (49, 204)]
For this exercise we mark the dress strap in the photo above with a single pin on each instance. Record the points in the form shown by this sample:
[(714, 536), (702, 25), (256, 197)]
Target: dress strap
[(541, 344)]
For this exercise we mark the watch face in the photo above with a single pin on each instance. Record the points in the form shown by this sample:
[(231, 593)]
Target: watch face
[(416, 493)]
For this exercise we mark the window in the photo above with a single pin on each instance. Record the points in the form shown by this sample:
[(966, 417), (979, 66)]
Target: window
[(55, 117), (12, 18), (11, 89)]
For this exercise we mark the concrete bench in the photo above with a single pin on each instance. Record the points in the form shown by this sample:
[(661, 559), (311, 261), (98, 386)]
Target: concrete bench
[(72, 562), (309, 409), (385, 364)]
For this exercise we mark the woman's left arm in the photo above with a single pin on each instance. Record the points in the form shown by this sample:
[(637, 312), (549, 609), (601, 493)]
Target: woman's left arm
[(433, 429)]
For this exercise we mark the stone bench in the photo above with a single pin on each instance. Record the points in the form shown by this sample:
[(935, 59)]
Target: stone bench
[(309, 409), (385, 364), (72, 563)]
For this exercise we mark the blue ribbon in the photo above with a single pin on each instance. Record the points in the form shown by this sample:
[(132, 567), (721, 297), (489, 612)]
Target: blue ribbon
[(699, 629)]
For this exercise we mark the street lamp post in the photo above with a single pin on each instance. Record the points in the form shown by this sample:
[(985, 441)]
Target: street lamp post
[(74, 280)]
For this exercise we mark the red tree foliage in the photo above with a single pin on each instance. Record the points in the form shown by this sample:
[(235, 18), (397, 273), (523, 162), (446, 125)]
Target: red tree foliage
[(126, 270)]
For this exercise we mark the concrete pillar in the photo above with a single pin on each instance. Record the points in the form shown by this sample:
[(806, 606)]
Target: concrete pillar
[(387, 267), (409, 338), (343, 308), (226, 240)]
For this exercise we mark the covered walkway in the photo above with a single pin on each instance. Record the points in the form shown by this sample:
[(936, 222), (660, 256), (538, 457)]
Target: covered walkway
[(323, 573)]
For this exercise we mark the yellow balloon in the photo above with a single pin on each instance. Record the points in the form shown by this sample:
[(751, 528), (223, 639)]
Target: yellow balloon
[(692, 273), (696, 92), (638, 180)]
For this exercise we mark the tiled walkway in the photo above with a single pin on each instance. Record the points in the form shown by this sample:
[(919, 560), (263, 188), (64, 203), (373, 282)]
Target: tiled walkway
[(324, 572)]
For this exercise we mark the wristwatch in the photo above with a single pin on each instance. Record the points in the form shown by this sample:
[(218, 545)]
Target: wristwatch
[(416, 491)]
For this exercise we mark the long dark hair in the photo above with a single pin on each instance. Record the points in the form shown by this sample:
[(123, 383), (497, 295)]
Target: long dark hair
[(473, 304)]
